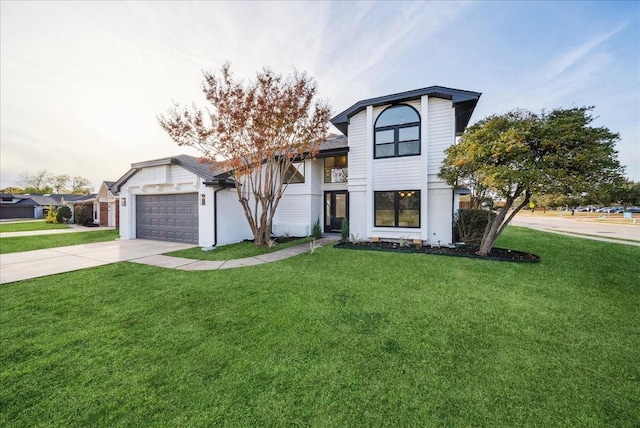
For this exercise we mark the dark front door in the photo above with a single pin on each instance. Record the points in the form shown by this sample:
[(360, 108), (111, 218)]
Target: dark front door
[(336, 209)]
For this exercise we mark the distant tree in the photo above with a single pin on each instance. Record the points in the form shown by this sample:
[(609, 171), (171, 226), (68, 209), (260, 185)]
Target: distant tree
[(80, 186), (625, 193), (257, 130), (44, 182), (12, 189), (59, 183), (518, 154), (36, 183)]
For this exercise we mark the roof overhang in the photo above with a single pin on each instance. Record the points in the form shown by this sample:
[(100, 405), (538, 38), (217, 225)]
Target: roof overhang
[(463, 101)]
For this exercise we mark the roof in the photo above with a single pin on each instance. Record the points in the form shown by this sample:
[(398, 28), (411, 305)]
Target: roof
[(463, 101), (52, 199), (208, 171)]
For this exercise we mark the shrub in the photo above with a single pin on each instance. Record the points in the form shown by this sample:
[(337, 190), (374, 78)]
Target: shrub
[(63, 214), (317, 231), (84, 215), (469, 225), (51, 215), (344, 231)]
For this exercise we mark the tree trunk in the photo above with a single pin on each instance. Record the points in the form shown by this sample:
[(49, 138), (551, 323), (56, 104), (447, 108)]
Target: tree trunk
[(499, 223), (493, 232)]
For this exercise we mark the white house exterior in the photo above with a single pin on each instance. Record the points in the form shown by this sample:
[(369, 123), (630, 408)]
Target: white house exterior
[(381, 176), (177, 199)]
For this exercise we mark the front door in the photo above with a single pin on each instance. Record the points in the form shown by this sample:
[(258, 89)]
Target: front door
[(336, 209)]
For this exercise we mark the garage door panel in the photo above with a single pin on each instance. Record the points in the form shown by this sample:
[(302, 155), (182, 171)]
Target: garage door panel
[(168, 217)]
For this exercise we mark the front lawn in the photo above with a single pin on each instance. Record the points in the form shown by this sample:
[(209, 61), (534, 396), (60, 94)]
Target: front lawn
[(334, 338), (27, 226), (39, 242)]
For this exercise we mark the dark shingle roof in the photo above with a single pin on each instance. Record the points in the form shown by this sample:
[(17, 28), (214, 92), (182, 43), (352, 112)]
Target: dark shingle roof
[(208, 171), (463, 101)]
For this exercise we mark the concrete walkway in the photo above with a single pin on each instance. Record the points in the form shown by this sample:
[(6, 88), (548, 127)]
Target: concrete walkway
[(38, 263), (191, 264)]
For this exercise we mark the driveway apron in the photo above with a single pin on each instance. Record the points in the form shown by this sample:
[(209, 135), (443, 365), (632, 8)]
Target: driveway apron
[(34, 264)]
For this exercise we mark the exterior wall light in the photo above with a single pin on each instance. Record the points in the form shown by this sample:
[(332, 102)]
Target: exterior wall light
[(203, 199), (124, 202)]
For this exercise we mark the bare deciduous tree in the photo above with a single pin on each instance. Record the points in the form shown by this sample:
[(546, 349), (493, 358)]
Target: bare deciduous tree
[(256, 130)]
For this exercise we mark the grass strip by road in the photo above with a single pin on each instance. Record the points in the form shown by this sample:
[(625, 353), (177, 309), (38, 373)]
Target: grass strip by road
[(234, 251), (39, 242), (28, 226), (333, 338)]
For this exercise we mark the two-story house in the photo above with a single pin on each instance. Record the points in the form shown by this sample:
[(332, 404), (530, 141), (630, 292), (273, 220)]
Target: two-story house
[(381, 176)]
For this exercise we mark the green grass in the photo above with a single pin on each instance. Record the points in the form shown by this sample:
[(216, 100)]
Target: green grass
[(28, 243), (234, 251), (28, 226), (334, 338)]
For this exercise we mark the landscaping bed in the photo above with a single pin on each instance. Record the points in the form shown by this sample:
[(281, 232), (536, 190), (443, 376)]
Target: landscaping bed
[(500, 254)]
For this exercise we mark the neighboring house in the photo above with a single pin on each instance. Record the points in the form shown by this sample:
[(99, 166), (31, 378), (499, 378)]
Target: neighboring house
[(108, 206), (15, 206), (19, 206), (381, 176)]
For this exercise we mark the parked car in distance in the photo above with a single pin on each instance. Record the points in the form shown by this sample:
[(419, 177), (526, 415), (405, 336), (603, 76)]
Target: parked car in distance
[(632, 210), (614, 210)]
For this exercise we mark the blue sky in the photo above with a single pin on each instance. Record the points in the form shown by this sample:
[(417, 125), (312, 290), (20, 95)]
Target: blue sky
[(81, 84)]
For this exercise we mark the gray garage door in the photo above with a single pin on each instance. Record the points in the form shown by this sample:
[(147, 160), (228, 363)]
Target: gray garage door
[(167, 217)]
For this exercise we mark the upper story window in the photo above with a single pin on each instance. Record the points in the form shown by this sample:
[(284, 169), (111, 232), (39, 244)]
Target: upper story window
[(397, 132), (336, 169)]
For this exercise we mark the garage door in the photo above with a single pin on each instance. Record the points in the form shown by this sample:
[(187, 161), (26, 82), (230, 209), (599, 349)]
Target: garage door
[(167, 217)]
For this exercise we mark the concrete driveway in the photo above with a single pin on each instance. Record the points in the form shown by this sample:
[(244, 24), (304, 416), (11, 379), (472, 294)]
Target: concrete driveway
[(34, 264)]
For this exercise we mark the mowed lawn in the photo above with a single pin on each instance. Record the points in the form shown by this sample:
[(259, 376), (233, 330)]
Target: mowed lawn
[(334, 338), (18, 244), (27, 226)]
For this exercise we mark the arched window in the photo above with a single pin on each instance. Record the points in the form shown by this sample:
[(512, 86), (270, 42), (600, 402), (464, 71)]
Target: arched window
[(397, 132)]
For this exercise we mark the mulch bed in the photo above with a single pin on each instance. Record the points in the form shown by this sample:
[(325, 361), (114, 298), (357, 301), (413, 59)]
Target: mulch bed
[(500, 254)]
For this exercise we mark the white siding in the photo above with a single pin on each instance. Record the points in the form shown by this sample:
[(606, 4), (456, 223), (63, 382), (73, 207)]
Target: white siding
[(316, 178), (358, 214), (401, 173), (301, 204), (440, 216), (179, 175), (358, 148), (232, 223), (441, 131)]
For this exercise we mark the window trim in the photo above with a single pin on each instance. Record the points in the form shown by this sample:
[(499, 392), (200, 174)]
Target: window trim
[(396, 208), (396, 133), (324, 169), (299, 170)]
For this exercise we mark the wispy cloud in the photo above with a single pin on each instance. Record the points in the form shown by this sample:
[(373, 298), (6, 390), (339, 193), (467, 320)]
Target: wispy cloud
[(567, 59)]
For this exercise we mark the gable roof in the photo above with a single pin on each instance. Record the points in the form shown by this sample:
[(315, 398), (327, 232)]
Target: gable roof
[(207, 171), (463, 101)]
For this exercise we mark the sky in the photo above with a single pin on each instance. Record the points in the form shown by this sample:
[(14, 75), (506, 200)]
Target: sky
[(82, 83)]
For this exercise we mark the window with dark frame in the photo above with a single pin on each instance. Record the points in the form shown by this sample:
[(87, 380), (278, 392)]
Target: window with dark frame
[(336, 169), (397, 132), (294, 173), (397, 209)]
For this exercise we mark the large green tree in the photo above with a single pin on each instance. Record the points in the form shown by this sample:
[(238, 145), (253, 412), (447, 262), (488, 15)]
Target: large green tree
[(520, 153), (258, 130)]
